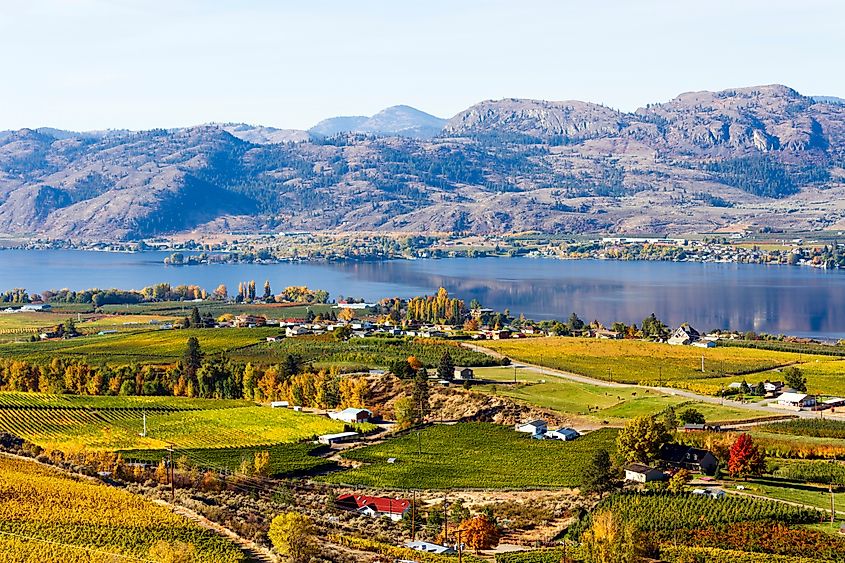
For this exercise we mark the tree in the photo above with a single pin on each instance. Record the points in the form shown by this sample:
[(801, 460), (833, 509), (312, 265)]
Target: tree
[(268, 293), (653, 328), (192, 357), (641, 439), (177, 552), (678, 482), (793, 377), (221, 292), (414, 363), (598, 476), (346, 314), (574, 322), (292, 535), (343, 332), (745, 457), (760, 389), (196, 320), (609, 540), (446, 367), (744, 388), (691, 416), (479, 533), (405, 412), (669, 418), (420, 393), (402, 369)]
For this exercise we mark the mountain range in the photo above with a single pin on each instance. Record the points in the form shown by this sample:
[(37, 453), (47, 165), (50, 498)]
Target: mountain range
[(758, 157)]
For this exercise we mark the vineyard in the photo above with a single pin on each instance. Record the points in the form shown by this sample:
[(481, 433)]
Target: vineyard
[(817, 428), (11, 399), (634, 361), (372, 352), (41, 507), (823, 472), (472, 456), (71, 429), (648, 511)]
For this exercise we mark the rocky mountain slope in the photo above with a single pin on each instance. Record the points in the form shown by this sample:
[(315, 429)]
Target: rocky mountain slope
[(705, 161), (403, 121)]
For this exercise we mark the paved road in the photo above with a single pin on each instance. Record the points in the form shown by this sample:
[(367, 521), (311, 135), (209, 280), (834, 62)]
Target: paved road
[(665, 390)]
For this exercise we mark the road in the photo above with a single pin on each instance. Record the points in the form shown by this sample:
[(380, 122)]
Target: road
[(665, 390)]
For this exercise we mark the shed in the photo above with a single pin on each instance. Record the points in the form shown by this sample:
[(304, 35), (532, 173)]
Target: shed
[(565, 434), (464, 373), (338, 438), (799, 400), (429, 547), (640, 473), (533, 427), (352, 415)]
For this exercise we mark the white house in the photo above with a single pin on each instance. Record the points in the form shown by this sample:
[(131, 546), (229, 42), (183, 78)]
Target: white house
[(352, 415), (533, 427), (796, 400), (429, 547), (462, 374), (684, 335), (296, 331), (640, 473), (565, 434)]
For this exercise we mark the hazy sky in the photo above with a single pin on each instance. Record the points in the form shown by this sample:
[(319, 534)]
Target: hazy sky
[(94, 64)]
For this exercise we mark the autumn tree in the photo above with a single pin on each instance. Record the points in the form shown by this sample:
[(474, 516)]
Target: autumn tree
[(268, 293), (471, 325), (598, 476), (678, 482), (610, 540), (642, 438), (221, 292), (405, 412), (479, 532), (414, 363), (292, 535), (346, 314), (745, 457)]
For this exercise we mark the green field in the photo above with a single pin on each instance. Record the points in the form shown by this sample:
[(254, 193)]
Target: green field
[(635, 361), (613, 404), (285, 459), (472, 456)]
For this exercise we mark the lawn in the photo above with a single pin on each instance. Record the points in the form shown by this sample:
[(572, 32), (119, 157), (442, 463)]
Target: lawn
[(472, 456), (71, 516), (613, 404), (634, 361), (816, 496)]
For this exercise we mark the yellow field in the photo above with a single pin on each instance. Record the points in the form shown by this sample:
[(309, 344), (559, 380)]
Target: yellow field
[(46, 515), (634, 361)]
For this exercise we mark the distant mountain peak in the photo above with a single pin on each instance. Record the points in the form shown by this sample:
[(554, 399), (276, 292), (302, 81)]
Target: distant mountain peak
[(399, 120)]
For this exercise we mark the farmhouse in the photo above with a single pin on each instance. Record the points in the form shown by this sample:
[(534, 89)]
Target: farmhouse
[(429, 547), (242, 321), (640, 473), (533, 427), (352, 415), (684, 335), (329, 439), (393, 508), (464, 374), (796, 400), (296, 331), (686, 457), (604, 334), (565, 434)]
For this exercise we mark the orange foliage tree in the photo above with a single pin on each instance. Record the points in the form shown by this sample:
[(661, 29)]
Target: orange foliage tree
[(745, 458), (479, 532)]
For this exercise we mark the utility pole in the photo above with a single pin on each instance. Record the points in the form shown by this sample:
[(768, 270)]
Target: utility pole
[(419, 443), (832, 507), (460, 546), (702, 363), (445, 518), (172, 473), (414, 516)]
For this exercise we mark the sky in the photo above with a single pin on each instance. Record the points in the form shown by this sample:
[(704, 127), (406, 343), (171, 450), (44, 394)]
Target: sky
[(140, 64)]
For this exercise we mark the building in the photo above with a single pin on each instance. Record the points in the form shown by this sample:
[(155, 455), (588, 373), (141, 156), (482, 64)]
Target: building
[(604, 334), (702, 428), (712, 493), (352, 415), (429, 547), (242, 321), (684, 335), (685, 457), (796, 400), (339, 438), (565, 434), (464, 374), (640, 473), (533, 427), (703, 344), (36, 307), (296, 331), (280, 404), (393, 508)]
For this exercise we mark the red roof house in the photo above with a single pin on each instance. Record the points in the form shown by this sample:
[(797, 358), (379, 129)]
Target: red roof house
[(394, 508)]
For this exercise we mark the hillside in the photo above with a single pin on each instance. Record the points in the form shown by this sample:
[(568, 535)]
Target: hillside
[(757, 157)]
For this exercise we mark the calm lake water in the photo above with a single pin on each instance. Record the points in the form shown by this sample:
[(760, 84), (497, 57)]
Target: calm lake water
[(774, 299)]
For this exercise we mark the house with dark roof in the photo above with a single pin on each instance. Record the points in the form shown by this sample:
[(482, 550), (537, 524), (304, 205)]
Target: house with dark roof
[(393, 508), (679, 456), (639, 473), (684, 335)]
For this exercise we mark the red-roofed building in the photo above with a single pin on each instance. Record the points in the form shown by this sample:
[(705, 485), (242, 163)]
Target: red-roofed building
[(393, 508)]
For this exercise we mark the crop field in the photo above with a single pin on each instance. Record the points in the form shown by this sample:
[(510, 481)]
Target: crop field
[(472, 455), (162, 346), (48, 516), (817, 428), (121, 322), (634, 361), (120, 429), (825, 376), (613, 404), (370, 352), (12, 399), (775, 445), (285, 459), (178, 309)]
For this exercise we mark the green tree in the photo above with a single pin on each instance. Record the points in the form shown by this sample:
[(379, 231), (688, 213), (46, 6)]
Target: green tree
[(678, 482), (794, 377), (420, 393), (691, 416), (343, 332), (652, 327), (268, 293), (446, 367), (405, 412), (292, 535), (196, 320), (641, 439), (192, 357), (574, 322), (599, 476)]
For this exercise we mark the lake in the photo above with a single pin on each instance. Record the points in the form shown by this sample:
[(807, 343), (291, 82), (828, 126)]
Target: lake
[(774, 299)]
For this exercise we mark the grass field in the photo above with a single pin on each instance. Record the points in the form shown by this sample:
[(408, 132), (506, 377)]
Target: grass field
[(472, 455), (118, 429), (613, 404), (48, 516), (285, 459), (634, 361)]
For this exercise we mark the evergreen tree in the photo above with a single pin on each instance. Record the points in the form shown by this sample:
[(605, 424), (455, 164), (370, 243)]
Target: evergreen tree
[(196, 320), (420, 394), (446, 368), (598, 476), (192, 357), (267, 292)]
